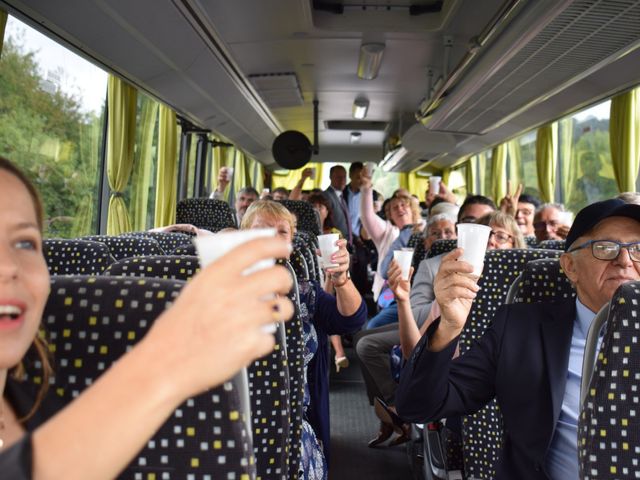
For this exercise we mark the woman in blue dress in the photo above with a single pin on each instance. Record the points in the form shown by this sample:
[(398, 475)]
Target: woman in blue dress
[(323, 314)]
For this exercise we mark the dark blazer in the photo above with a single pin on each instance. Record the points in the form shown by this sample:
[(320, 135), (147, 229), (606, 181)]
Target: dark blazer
[(339, 218), (522, 360)]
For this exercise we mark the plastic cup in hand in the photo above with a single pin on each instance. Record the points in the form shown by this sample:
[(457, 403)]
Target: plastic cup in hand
[(229, 173), (327, 248), (434, 184), (403, 258), (566, 218), (473, 239), (370, 167), (211, 248), (313, 174)]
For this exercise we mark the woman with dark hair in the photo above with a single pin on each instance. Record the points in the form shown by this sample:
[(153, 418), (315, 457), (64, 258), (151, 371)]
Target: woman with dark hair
[(191, 347), (322, 205)]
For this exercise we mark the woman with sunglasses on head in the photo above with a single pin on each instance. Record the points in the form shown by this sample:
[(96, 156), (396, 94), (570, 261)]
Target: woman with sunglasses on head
[(191, 347)]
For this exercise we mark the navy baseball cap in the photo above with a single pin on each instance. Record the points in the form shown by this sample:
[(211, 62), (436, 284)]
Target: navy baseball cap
[(591, 215)]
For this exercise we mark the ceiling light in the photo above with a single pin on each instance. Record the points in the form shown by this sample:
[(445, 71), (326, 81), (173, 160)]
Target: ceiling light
[(355, 137), (370, 60), (360, 107)]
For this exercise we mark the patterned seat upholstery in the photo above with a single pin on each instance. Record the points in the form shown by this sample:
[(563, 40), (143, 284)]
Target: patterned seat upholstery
[(172, 267), (482, 432), (309, 237), (76, 257), (299, 264), (543, 281), (442, 246), (295, 362), (91, 322), (125, 247), (186, 250), (609, 423), (552, 244), (531, 241), (207, 213), (308, 220), (306, 243), (168, 241)]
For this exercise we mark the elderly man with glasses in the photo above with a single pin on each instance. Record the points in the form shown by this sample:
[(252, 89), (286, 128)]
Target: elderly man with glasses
[(530, 358)]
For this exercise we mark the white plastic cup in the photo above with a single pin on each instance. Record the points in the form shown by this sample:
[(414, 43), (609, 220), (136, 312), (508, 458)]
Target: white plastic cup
[(371, 167), (565, 218), (229, 173), (212, 247), (327, 248), (403, 258), (434, 184), (473, 238), (313, 173)]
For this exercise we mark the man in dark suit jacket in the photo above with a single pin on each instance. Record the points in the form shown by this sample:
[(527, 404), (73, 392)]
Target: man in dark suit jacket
[(338, 178), (530, 358)]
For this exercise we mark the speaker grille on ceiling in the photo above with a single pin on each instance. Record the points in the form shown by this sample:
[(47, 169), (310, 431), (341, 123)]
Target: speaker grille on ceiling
[(585, 34), (278, 90)]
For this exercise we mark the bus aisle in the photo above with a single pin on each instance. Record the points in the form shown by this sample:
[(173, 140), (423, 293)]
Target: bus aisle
[(353, 424)]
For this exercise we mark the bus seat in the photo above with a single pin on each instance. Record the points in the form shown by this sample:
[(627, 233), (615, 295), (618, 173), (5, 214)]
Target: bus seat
[(207, 213), (125, 247), (552, 244), (310, 258), (76, 257), (531, 241), (543, 281), (172, 267), (482, 432), (299, 264), (91, 322), (308, 219), (168, 241), (442, 246), (186, 250), (609, 422)]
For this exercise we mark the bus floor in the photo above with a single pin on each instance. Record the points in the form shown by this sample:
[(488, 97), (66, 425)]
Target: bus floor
[(353, 424)]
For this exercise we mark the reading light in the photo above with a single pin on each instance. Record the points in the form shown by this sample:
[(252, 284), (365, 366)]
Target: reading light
[(370, 60), (355, 137), (360, 107)]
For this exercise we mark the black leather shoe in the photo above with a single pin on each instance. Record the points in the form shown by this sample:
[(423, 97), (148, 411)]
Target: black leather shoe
[(383, 435), (388, 416)]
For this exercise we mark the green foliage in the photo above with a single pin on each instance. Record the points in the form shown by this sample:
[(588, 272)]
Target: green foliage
[(52, 140)]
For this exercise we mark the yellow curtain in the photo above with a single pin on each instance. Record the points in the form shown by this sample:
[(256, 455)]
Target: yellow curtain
[(3, 24), (143, 165), (471, 179), (241, 176), (624, 138), (257, 175), (121, 137), (568, 168), (167, 172), (291, 178), (515, 162), (222, 157), (499, 172), (482, 174), (446, 175), (546, 153)]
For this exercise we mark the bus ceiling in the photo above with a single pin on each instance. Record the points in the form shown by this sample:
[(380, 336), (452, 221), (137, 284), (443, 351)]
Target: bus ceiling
[(442, 78)]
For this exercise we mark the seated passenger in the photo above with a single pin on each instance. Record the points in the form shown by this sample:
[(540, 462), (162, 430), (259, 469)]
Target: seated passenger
[(191, 347), (530, 358), (325, 315), (373, 346), (547, 222), (522, 207), (280, 193)]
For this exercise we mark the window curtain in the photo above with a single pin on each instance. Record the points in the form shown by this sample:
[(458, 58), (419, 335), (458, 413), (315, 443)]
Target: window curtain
[(624, 138), (499, 172), (481, 174), (241, 176), (446, 176), (471, 174), (121, 137), (515, 163), (143, 166), (167, 172), (257, 175), (567, 167), (546, 148), (3, 24)]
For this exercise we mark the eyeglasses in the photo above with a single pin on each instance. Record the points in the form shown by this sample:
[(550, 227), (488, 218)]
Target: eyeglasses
[(500, 237), (610, 249), (543, 225)]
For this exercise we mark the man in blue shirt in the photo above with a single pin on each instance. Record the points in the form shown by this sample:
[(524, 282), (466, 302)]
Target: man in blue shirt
[(530, 358)]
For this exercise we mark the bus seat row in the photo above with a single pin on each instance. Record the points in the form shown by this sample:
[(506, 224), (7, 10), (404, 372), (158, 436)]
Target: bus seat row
[(206, 213)]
